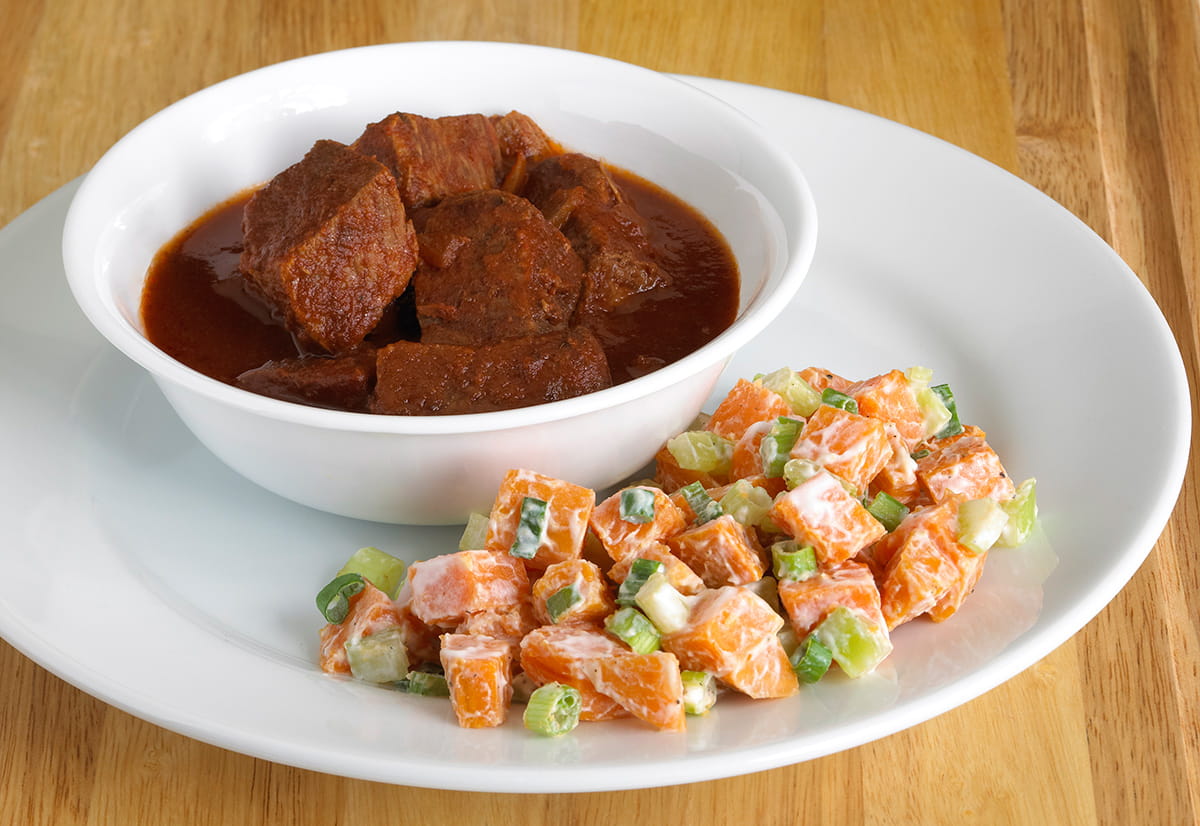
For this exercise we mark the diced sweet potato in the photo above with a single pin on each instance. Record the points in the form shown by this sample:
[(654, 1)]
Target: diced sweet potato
[(648, 686), (508, 623), (721, 551), (746, 404), (819, 512), (963, 467), (569, 507), (848, 583), (820, 379), (898, 477), (371, 611), (747, 456), (852, 446), (890, 398), (920, 563), (622, 538), (421, 641), (445, 589), (565, 654), (681, 577), (479, 672), (595, 600)]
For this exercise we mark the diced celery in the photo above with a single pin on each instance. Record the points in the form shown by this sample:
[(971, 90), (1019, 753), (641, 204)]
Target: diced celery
[(699, 692), (776, 447), (934, 412), (889, 510), (531, 528), (953, 427), (333, 601), (425, 683), (382, 570), (791, 561), (637, 505), (702, 450), (836, 398), (703, 505), (799, 394), (1022, 513), (632, 627), (474, 537), (798, 471), (746, 503), (379, 658), (811, 659), (553, 709), (562, 601), (980, 523), (854, 644), (666, 607), (639, 571), (918, 377)]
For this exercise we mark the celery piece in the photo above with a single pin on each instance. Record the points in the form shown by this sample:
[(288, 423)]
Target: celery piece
[(798, 471), (855, 645), (531, 528), (799, 394), (562, 601), (699, 692), (382, 570), (811, 659), (425, 683), (637, 505), (702, 450), (746, 503), (934, 413), (836, 398), (1022, 513), (918, 377), (980, 523), (921, 453), (333, 601), (379, 658), (776, 447), (633, 628), (703, 505), (474, 537), (553, 709), (889, 510), (639, 571), (790, 561), (952, 427), (666, 607)]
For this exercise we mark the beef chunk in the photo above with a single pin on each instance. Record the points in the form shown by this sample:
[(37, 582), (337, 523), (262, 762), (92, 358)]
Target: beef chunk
[(522, 144), (342, 383), (419, 379), (433, 158), (328, 246), (491, 267)]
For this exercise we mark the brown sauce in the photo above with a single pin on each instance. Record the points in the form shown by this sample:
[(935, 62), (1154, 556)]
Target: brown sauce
[(195, 306)]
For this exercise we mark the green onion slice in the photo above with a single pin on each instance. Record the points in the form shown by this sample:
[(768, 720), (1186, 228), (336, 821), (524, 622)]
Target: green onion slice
[(562, 601), (776, 447), (699, 692), (954, 426), (703, 505), (922, 453), (553, 709), (531, 528), (637, 505), (474, 535), (633, 627), (382, 570), (836, 398), (889, 510), (792, 561), (811, 659), (425, 683), (640, 571), (333, 601)]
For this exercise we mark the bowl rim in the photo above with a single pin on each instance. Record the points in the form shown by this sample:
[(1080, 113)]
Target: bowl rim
[(799, 243)]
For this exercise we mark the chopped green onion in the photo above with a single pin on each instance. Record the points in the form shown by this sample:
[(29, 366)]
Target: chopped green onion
[(562, 601), (790, 561), (889, 510), (637, 505), (811, 659), (953, 426), (799, 394), (425, 683), (640, 571), (553, 709), (836, 398), (379, 658), (531, 528), (333, 601), (702, 450), (1022, 513), (699, 692), (701, 503), (776, 447), (474, 535), (746, 503), (922, 453), (632, 627), (855, 646), (382, 570), (798, 471), (980, 524), (666, 607)]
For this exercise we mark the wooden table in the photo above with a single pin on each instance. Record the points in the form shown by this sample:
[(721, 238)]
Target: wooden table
[(1093, 101)]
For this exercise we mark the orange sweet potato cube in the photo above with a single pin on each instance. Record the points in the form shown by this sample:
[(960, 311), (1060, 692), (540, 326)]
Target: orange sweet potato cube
[(508, 623), (819, 512), (479, 672), (565, 654), (371, 611), (445, 589), (746, 404), (721, 551), (420, 640), (672, 477), (648, 686), (849, 584), (621, 537), (595, 600), (854, 447), (963, 467), (920, 565), (568, 509), (890, 398), (970, 568), (747, 457), (820, 379), (683, 578), (898, 477)]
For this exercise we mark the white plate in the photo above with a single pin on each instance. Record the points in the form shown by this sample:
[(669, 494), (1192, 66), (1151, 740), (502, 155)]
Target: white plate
[(136, 566)]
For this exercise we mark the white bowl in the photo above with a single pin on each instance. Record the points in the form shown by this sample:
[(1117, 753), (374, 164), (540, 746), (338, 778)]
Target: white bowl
[(434, 469)]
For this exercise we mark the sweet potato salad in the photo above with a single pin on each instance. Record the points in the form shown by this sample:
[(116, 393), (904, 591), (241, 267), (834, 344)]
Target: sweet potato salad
[(790, 532)]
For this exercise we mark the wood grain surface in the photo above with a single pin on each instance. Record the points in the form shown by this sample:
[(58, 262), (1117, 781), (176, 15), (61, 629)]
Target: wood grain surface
[(1096, 102)]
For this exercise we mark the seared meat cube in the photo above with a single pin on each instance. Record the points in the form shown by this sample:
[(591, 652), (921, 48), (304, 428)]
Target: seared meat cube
[(491, 267), (579, 197), (328, 246), (433, 158), (341, 383), (418, 379), (522, 144)]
